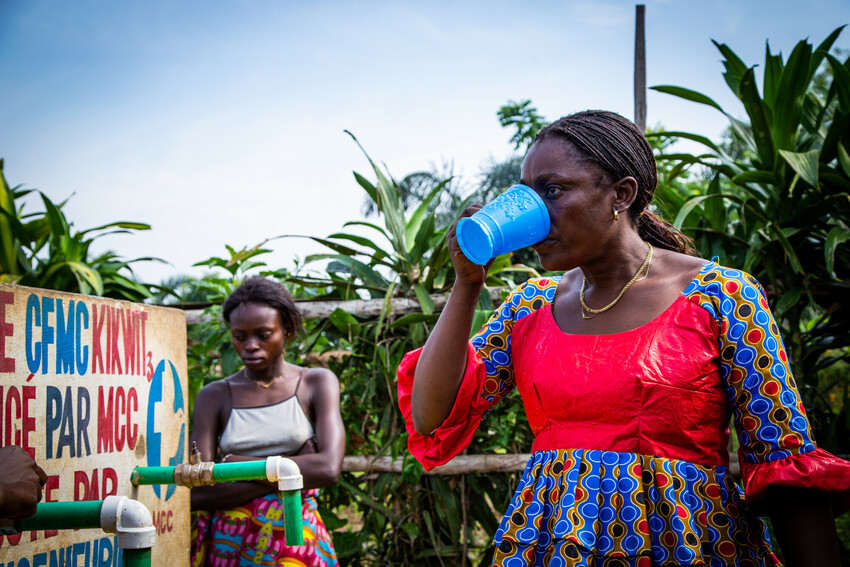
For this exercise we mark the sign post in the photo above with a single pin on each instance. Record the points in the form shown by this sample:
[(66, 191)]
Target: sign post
[(92, 388)]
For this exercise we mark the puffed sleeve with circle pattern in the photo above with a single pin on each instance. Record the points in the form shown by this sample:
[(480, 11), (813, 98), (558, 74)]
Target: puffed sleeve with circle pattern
[(776, 442)]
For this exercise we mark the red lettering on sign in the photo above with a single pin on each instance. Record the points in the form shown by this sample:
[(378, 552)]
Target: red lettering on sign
[(120, 408), (94, 486), (97, 328), (27, 422), (163, 520), (6, 330), (115, 316), (148, 356), (12, 397), (17, 423), (129, 332), (12, 539), (116, 423), (81, 486), (132, 428), (104, 422), (109, 482)]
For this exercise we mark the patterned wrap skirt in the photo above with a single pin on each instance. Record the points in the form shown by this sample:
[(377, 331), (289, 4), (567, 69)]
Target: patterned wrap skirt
[(253, 534)]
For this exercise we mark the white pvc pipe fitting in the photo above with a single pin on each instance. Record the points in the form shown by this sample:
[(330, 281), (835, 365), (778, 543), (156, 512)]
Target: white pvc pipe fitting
[(285, 472), (130, 519)]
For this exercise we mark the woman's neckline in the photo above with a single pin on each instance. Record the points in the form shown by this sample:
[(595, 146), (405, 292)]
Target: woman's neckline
[(265, 391), (269, 404), (651, 323)]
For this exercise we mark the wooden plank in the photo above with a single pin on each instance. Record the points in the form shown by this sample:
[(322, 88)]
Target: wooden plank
[(462, 464), (360, 307), (468, 464)]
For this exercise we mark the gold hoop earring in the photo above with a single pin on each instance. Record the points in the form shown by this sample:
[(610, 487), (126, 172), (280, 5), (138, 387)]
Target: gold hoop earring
[(616, 214)]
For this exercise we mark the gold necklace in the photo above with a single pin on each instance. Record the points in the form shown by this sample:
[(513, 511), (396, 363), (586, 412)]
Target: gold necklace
[(595, 312), (263, 384), (267, 384)]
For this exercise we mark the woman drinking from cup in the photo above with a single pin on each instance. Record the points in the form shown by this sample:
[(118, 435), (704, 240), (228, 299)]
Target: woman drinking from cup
[(630, 366)]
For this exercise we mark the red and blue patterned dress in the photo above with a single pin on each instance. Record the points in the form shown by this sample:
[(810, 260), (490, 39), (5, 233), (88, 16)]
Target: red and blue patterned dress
[(630, 461)]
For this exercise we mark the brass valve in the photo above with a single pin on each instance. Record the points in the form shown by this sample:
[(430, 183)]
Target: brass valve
[(194, 473)]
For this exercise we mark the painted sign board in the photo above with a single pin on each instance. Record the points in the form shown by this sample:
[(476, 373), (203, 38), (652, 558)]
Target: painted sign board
[(91, 388)]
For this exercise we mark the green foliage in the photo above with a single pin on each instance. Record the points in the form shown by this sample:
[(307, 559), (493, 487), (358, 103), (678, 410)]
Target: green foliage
[(525, 118), (415, 187), (398, 519), (779, 207), (42, 250), (181, 290), (416, 261), (408, 518)]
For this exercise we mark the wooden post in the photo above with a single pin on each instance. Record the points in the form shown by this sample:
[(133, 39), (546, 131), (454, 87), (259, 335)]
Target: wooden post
[(640, 69), (471, 464), (357, 307), (462, 464)]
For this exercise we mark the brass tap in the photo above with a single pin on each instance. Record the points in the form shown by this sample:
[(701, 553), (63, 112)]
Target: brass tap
[(194, 473)]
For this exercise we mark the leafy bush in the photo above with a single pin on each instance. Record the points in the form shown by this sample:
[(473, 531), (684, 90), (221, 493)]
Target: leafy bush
[(398, 519), (42, 250), (408, 518), (779, 208)]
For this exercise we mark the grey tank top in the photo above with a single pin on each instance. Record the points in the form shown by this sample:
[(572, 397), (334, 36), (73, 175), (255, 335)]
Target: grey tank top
[(277, 429)]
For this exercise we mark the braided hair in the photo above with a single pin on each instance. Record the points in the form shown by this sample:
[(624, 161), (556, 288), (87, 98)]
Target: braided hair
[(258, 289), (617, 146)]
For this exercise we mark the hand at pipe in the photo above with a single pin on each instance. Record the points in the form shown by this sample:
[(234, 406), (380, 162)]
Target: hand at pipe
[(21, 480)]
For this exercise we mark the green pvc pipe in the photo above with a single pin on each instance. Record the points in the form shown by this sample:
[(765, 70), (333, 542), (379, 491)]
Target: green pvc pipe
[(137, 557), (62, 516), (233, 472), (222, 472), (77, 515), (293, 523), (245, 470), (152, 475)]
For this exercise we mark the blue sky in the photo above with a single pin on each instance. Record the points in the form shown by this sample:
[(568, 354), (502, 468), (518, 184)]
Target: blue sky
[(221, 122)]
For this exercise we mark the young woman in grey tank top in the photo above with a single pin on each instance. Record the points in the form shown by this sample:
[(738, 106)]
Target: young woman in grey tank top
[(270, 407)]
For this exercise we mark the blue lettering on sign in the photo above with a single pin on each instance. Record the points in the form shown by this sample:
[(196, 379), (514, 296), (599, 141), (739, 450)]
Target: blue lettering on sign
[(64, 339), (82, 352), (46, 331), (53, 417), (103, 552), (81, 548), (72, 356), (33, 320), (66, 426), (154, 443)]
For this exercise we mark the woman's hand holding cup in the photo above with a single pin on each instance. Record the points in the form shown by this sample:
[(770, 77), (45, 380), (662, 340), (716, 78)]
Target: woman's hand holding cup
[(467, 272)]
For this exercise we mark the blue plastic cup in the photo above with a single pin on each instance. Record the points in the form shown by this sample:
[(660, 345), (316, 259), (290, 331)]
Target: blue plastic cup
[(515, 219)]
